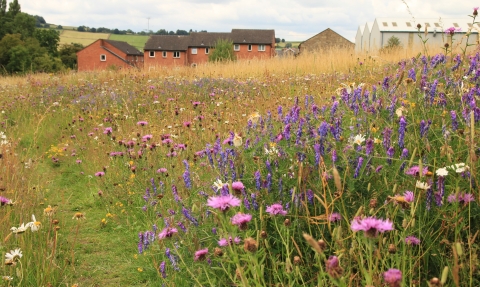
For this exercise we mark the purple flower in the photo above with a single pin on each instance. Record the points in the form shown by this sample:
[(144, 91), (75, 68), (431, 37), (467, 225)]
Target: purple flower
[(237, 186), (452, 30), (335, 217), (275, 209), (223, 202), (412, 240), (333, 268), (167, 232), (224, 242), (241, 220), (371, 226), (162, 170), (142, 123), (415, 170), (201, 254), (401, 131), (5, 201), (161, 268), (409, 196), (359, 166), (393, 277), (107, 131), (99, 174)]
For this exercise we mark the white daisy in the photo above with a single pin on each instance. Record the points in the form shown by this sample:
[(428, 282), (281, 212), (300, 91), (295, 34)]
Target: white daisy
[(22, 228), (359, 139), (460, 167), (13, 256), (7, 278), (34, 225), (237, 140), (422, 185), (218, 184)]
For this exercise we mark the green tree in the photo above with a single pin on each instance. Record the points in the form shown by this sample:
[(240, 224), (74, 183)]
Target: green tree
[(283, 40), (223, 51), (161, 32), (48, 39), (23, 24), (393, 43), (81, 28), (181, 32), (288, 45), (277, 40), (13, 9), (8, 42), (116, 31), (20, 60), (68, 54), (59, 27)]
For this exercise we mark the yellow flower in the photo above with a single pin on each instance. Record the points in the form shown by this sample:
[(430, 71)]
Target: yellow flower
[(140, 269), (109, 215), (48, 211), (79, 215)]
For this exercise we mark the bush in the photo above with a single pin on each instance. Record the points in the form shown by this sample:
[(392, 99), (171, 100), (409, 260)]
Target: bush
[(223, 51)]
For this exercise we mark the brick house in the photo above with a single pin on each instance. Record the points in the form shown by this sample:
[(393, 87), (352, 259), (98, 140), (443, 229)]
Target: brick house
[(325, 40), (103, 54), (193, 49)]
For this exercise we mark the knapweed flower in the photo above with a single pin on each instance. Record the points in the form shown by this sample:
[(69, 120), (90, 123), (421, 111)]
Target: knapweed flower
[(167, 232), (452, 30), (223, 202), (99, 174), (335, 217), (201, 254), (142, 123), (412, 240), (276, 209), (422, 185), (333, 268), (475, 11), (224, 242), (371, 226), (241, 220), (237, 186), (462, 198), (5, 201), (162, 170), (13, 256), (107, 131), (393, 277), (415, 170)]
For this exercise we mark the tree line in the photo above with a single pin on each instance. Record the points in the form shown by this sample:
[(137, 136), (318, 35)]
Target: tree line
[(84, 28), (25, 48)]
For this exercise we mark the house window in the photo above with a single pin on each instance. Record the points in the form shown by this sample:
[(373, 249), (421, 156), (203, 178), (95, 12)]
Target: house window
[(176, 54), (249, 47), (408, 24), (207, 50), (103, 57), (164, 54), (394, 24), (455, 25), (261, 48), (385, 24), (194, 51), (236, 47), (151, 54)]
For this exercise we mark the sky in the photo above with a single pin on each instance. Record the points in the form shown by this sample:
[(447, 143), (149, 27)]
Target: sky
[(291, 20)]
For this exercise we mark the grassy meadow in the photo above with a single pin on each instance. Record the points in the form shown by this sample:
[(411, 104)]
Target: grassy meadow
[(138, 41), (328, 169), (84, 38)]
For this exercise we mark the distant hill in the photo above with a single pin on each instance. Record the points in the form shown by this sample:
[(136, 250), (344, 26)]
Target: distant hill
[(68, 36)]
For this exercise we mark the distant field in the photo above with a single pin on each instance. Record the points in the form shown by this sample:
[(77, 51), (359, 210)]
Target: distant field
[(84, 38), (138, 41), (294, 44)]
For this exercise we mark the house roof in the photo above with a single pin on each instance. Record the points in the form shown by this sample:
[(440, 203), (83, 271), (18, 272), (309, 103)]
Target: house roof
[(207, 39), (326, 30), (125, 47), (433, 24), (252, 36), (167, 43)]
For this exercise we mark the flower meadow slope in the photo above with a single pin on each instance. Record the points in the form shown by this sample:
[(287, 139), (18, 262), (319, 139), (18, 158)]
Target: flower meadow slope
[(262, 182)]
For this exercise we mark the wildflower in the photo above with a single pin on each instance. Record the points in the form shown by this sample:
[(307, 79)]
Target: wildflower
[(237, 186), (459, 167), (475, 11), (13, 256), (401, 131), (162, 170), (107, 131), (237, 140), (415, 170), (358, 139), (335, 217), (78, 216), (412, 240), (161, 268), (224, 242), (254, 117), (409, 196), (99, 174), (393, 277), (22, 228), (201, 254), (241, 220), (442, 171), (7, 278), (5, 201), (218, 184), (452, 30), (35, 225), (333, 268), (223, 202), (142, 123), (250, 245), (276, 209), (422, 185), (371, 226), (167, 232)]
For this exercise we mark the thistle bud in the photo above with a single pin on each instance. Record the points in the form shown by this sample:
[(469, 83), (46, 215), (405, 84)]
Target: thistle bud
[(287, 222), (250, 245), (297, 260), (263, 234), (435, 282), (392, 249), (218, 252)]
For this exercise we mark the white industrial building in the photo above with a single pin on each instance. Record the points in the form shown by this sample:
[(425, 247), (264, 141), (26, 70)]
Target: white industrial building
[(375, 36)]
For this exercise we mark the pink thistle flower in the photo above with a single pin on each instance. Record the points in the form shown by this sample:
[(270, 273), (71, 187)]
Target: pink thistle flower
[(237, 186), (452, 30), (412, 240), (393, 277), (162, 170), (142, 123), (335, 217), (241, 220), (276, 209), (5, 201), (107, 131), (167, 232), (201, 254), (371, 226), (99, 174), (223, 242), (415, 170), (223, 202), (409, 196), (147, 138), (332, 266)]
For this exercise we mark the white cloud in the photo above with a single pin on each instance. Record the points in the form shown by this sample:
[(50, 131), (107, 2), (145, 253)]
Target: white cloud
[(292, 20)]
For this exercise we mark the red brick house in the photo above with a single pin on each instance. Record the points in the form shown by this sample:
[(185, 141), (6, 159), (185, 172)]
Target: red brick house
[(193, 49), (103, 54)]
